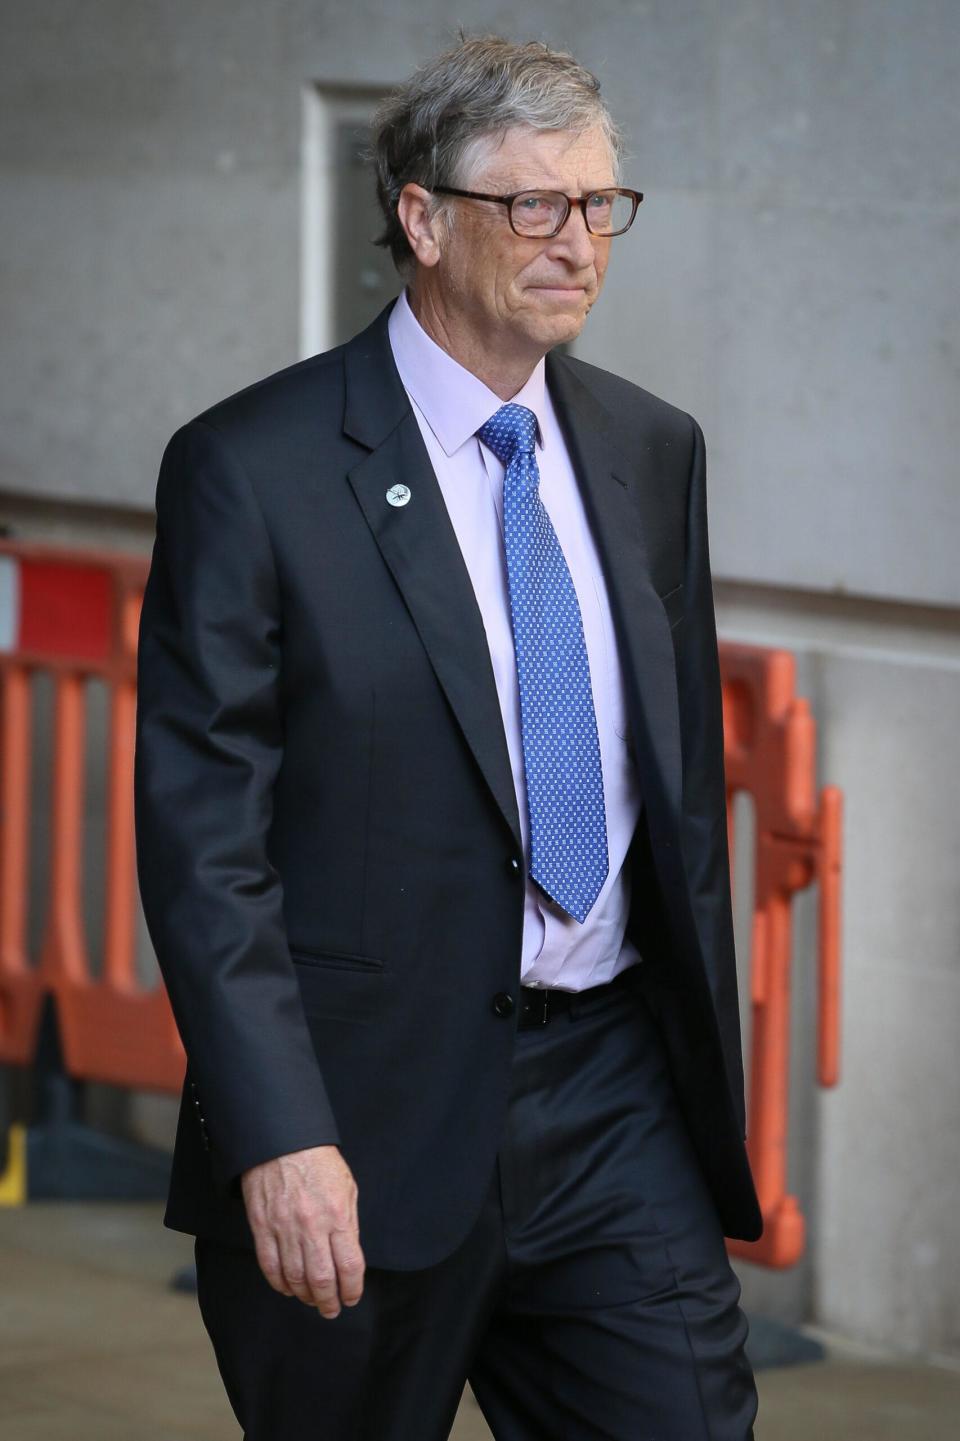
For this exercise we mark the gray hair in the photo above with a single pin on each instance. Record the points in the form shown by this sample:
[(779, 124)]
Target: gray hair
[(432, 126)]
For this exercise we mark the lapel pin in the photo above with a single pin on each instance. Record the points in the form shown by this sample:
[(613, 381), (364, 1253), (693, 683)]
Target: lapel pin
[(398, 494)]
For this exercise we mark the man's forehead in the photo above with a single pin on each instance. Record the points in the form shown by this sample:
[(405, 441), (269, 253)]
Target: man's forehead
[(523, 156)]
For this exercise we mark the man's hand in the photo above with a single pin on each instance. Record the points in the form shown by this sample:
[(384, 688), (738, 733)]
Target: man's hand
[(302, 1209)]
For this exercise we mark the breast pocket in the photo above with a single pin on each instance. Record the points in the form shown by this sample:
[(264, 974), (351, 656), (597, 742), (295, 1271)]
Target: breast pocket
[(337, 986)]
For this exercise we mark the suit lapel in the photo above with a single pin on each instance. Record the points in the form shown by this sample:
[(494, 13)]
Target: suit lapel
[(621, 501), (420, 547)]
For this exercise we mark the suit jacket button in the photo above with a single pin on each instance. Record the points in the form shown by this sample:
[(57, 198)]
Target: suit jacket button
[(503, 1004)]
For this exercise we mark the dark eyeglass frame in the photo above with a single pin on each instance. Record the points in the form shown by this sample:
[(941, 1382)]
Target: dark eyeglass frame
[(571, 200)]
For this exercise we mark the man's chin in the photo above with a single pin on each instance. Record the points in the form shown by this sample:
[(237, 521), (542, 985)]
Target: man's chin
[(558, 327), (566, 328)]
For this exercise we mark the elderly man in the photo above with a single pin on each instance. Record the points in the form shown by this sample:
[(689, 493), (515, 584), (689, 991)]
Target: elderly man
[(432, 832)]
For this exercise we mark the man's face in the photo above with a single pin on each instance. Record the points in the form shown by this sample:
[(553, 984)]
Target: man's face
[(519, 293)]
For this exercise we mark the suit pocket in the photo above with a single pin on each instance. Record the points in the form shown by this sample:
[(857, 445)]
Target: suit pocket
[(338, 987), (334, 960), (672, 603)]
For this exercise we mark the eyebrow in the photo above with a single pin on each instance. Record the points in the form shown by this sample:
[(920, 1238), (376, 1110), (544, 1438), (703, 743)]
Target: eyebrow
[(519, 185)]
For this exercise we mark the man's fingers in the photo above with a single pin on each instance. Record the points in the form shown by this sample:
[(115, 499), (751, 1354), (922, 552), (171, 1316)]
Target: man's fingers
[(321, 1276), (268, 1259), (349, 1261), (293, 1265)]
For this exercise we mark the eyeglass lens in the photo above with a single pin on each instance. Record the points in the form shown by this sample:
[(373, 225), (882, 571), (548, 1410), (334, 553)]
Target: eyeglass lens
[(540, 212)]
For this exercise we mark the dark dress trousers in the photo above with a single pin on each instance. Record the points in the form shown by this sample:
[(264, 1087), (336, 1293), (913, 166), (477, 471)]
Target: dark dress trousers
[(328, 842)]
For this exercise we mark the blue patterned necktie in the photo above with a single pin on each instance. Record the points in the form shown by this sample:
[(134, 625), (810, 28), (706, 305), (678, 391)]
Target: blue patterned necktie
[(561, 749)]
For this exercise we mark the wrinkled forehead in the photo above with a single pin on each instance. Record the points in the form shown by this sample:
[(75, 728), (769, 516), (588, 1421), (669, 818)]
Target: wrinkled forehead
[(521, 158)]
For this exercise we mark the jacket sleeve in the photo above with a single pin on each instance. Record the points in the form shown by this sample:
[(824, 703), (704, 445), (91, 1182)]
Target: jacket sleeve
[(209, 746), (704, 784)]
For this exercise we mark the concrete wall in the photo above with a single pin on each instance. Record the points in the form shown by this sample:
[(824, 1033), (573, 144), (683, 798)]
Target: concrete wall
[(791, 279)]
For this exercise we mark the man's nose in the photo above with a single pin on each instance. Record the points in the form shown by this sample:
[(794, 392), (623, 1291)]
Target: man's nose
[(574, 240)]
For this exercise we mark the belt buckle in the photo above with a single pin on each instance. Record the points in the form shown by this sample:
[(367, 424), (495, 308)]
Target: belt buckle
[(536, 1015)]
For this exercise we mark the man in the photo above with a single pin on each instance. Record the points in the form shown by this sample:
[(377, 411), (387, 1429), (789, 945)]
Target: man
[(432, 832)]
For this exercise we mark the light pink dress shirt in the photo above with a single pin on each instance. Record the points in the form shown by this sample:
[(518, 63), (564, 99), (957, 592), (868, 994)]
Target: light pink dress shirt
[(451, 404)]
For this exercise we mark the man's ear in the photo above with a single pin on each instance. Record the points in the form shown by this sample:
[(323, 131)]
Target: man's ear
[(423, 232)]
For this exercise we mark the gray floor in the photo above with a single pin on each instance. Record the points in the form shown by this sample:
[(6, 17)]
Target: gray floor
[(95, 1347)]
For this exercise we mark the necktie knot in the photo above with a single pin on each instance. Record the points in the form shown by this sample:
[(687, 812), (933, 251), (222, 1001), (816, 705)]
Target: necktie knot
[(511, 431)]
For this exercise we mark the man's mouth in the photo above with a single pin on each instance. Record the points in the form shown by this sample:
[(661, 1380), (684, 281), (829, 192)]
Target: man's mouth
[(573, 290)]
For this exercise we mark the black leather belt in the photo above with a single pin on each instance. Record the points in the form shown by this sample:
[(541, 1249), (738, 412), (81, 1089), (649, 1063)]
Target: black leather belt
[(540, 1004)]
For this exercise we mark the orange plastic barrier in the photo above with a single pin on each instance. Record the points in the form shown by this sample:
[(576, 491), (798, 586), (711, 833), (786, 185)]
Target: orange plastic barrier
[(769, 743), (74, 616)]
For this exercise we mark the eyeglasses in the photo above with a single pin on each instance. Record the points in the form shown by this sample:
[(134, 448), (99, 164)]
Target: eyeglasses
[(544, 213)]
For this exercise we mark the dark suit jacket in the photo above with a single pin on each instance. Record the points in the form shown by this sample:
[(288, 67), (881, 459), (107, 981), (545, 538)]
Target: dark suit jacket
[(328, 839)]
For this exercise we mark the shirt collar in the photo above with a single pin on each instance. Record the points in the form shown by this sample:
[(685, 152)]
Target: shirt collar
[(452, 400)]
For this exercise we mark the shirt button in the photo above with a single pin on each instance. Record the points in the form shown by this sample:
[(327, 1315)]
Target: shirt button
[(503, 1004)]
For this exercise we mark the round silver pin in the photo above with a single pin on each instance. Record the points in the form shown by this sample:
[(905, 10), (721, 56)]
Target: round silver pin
[(398, 494)]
